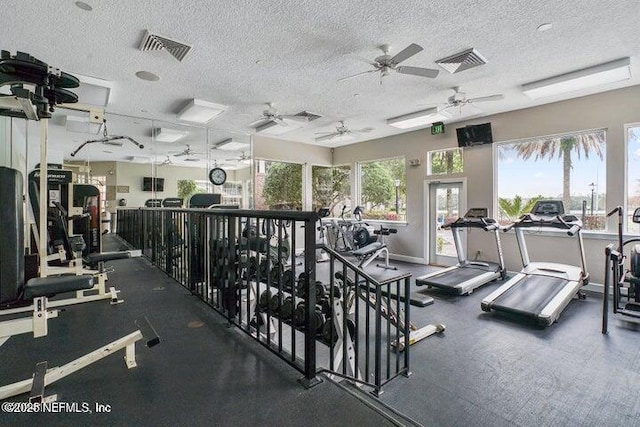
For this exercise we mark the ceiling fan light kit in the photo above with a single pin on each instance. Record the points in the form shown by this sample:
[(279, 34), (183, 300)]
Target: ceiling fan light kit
[(201, 112), (609, 72), (418, 118), (169, 135)]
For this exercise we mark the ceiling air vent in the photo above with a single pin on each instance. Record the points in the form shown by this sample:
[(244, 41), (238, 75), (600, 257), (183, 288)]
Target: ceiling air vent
[(464, 60), (157, 42)]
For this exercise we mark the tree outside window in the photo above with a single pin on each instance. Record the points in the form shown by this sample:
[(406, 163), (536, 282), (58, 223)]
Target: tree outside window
[(568, 167), (383, 188)]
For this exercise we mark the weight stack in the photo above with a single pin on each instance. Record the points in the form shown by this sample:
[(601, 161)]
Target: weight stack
[(11, 235)]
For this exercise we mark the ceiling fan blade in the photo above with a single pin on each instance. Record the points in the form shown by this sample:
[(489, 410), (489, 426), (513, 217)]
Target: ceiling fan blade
[(324, 133), (418, 71), (327, 137), (294, 118), (406, 53), (258, 122), (363, 130), (359, 58), (114, 143), (486, 98), (356, 75), (279, 121)]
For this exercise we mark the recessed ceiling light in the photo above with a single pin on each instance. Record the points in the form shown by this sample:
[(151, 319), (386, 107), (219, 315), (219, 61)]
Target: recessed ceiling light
[(544, 27), (84, 6), (148, 76)]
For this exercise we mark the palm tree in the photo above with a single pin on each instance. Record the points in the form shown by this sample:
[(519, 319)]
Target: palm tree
[(514, 209), (563, 147)]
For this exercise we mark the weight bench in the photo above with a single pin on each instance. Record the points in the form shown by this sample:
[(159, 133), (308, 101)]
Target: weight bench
[(39, 290)]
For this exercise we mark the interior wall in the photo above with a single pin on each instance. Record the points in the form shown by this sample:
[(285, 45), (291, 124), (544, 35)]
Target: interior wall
[(610, 110), (287, 151), (132, 174)]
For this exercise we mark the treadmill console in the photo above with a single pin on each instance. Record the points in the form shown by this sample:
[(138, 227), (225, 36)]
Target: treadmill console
[(548, 208), (476, 213)]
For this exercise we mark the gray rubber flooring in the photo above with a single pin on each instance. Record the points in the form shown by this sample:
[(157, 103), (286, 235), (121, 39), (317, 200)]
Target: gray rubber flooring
[(484, 370), (202, 374)]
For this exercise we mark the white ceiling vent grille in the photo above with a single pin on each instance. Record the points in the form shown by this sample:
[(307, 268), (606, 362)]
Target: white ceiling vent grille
[(464, 60), (157, 42)]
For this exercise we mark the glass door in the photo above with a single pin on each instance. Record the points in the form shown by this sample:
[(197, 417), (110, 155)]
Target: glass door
[(446, 204)]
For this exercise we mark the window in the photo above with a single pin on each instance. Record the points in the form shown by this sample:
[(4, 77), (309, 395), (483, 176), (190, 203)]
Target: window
[(331, 188), (567, 167), (633, 175), (383, 187), (445, 162), (278, 185)]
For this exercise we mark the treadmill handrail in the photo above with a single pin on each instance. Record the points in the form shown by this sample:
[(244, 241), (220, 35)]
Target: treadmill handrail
[(563, 222), (487, 224)]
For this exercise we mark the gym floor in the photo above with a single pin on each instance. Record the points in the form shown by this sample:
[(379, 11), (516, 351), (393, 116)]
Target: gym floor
[(483, 370)]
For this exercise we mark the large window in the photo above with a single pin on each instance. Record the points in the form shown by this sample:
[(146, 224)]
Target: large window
[(443, 162), (331, 188), (633, 175), (568, 167), (278, 185), (383, 187)]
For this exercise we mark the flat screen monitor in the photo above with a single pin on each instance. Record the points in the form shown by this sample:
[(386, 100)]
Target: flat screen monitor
[(152, 184), (474, 135)]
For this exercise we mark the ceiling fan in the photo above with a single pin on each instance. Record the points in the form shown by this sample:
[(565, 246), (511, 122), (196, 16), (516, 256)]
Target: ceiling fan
[(459, 99), (188, 152), (166, 162), (243, 158), (270, 114), (341, 130), (385, 63)]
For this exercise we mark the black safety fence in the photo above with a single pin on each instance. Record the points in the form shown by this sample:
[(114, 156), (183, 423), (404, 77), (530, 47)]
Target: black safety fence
[(258, 269)]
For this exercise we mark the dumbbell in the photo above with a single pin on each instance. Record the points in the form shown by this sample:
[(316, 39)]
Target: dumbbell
[(325, 306), (263, 301), (287, 280), (287, 309), (317, 316), (330, 334), (263, 269), (274, 303)]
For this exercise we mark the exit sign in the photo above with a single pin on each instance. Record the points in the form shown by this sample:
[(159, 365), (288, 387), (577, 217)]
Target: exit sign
[(437, 128)]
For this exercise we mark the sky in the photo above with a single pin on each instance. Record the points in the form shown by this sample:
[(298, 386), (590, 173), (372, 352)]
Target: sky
[(544, 177)]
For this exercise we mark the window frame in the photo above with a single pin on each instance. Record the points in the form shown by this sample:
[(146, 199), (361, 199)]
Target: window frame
[(625, 203), (597, 234), (305, 170), (357, 188)]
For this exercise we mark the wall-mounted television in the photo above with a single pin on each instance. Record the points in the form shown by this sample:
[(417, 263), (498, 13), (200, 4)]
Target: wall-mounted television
[(152, 184), (471, 135)]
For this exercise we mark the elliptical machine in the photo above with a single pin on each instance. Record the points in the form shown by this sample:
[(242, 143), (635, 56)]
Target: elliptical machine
[(626, 285)]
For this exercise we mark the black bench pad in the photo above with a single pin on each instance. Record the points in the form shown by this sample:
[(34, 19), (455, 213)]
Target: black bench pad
[(369, 249), (50, 286), (95, 258)]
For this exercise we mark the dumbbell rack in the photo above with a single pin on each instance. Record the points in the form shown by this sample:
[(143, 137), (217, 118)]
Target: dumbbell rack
[(268, 333)]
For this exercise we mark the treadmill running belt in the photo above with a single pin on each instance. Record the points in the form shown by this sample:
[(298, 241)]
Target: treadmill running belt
[(452, 278), (529, 296)]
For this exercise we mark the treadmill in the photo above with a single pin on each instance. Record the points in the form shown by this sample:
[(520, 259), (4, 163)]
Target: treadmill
[(466, 275), (541, 290)]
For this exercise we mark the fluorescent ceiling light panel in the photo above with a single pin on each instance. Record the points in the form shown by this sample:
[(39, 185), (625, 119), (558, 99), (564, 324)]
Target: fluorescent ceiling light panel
[(232, 145), (419, 118), (609, 72), (169, 135), (274, 128), (93, 91), (198, 111), (81, 124)]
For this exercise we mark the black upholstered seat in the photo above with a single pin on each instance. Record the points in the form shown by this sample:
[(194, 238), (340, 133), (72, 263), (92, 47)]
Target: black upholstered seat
[(50, 286)]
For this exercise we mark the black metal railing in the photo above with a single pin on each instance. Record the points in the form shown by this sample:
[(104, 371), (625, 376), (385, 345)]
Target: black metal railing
[(371, 343), (243, 264)]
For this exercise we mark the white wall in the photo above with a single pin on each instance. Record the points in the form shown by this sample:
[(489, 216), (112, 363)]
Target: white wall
[(132, 174), (610, 110)]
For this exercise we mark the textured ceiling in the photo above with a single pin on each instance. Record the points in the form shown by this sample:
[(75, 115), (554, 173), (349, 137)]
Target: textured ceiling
[(292, 53)]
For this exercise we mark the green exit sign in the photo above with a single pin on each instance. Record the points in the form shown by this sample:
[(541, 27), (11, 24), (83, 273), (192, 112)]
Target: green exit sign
[(437, 128)]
